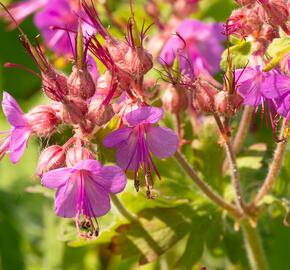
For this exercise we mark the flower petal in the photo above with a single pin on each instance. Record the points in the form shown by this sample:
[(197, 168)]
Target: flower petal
[(250, 90), (56, 178), (112, 178), (66, 199), (276, 86), (96, 200), (89, 165), (116, 137), (12, 111), (144, 115), (162, 142), (18, 143)]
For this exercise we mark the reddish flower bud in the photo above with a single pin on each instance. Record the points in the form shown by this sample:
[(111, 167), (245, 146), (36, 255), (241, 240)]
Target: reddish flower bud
[(274, 12), (76, 154), (269, 32), (51, 158), (204, 96), (117, 49), (54, 85), (73, 111), (175, 99), (42, 120), (227, 104), (99, 113), (81, 84)]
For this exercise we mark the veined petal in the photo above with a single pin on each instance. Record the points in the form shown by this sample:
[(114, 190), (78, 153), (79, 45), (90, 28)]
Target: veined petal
[(96, 200), (116, 137), (111, 178), (66, 199), (18, 143), (144, 115), (284, 107), (276, 86), (12, 111), (89, 165), (56, 178), (250, 90), (162, 142)]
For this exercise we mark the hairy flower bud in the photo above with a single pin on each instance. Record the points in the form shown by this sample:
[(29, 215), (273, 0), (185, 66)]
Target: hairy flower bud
[(204, 96), (42, 120), (81, 84), (227, 104), (76, 154), (74, 111), (54, 85), (274, 12), (51, 158), (175, 99), (269, 32), (99, 113)]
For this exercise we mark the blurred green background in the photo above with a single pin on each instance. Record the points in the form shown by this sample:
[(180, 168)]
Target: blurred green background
[(32, 237)]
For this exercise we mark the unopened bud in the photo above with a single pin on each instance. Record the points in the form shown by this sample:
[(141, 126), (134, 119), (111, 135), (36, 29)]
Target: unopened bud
[(204, 96), (54, 85), (175, 99), (269, 32), (227, 104), (81, 84), (99, 113), (74, 111), (117, 49), (43, 120), (51, 158), (76, 154)]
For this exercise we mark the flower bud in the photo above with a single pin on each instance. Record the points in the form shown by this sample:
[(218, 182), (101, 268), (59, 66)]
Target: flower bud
[(51, 158), (99, 113), (204, 96), (274, 12), (42, 120), (74, 111), (81, 84), (227, 104), (269, 32), (117, 49), (76, 154), (175, 99), (54, 85)]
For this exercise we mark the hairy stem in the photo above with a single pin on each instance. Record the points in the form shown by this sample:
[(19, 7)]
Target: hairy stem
[(274, 169), (211, 194), (123, 211), (231, 158), (254, 247), (243, 128)]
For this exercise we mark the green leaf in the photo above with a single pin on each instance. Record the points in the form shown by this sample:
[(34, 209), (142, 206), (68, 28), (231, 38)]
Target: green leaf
[(239, 54), (278, 46)]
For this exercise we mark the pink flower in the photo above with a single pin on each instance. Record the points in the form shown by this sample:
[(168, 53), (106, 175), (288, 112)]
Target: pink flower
[(140, 139), (83, 191), (16, 141)]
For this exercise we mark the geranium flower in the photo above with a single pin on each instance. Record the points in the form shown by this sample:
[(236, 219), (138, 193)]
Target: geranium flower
[(83, 190), (137, 141), (198, 46)]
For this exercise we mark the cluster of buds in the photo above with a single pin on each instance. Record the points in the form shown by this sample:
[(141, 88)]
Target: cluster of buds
[(259, 19)]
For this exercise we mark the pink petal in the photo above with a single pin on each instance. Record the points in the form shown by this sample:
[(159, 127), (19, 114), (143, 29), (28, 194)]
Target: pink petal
[(56, 178), (96, 200), (117, 137), (162, 142), (18, 143), (66, 199), (276, 86), (144, 115), (112, 178), (89, 165), (12, 111), (250, 90)]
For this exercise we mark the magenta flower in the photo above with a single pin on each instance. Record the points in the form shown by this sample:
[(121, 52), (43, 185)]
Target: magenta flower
[(198, 46), (58, 23), (16, 141), (140, 139), (83, 190)]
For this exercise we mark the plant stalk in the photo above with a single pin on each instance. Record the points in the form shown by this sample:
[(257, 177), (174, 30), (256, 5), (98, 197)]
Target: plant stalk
[(208, 191), (254, 247)]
